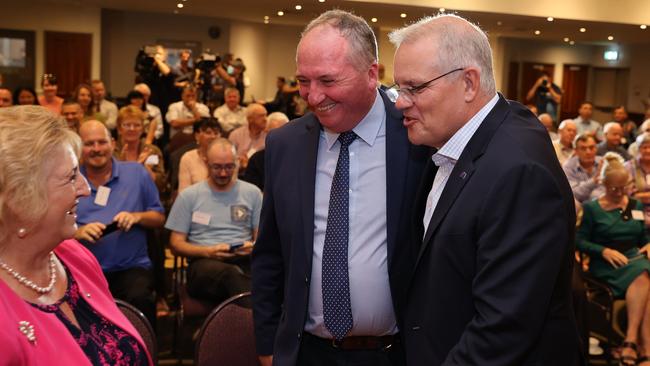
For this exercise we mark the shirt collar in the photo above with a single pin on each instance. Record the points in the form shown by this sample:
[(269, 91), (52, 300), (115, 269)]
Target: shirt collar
[(115, 172), (456, 144), (369, 128)]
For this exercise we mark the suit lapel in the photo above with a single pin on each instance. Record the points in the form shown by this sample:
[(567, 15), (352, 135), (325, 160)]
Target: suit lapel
[(397, 151), (307, 178), (464, 169)]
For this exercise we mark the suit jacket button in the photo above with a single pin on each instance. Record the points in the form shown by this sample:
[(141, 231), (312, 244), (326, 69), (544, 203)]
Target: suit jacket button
[(306, 279), (299, 335)]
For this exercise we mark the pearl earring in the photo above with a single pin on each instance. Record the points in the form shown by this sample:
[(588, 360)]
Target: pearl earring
[(22, 232)]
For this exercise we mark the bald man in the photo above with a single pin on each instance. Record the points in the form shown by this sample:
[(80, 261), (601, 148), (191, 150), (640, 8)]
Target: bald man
[(123, 194), (250, 138)]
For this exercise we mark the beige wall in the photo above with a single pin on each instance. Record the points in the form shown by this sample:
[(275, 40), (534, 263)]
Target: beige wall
[(49, 17)]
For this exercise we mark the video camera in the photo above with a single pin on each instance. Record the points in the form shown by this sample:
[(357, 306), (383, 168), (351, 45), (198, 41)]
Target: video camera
[(207, 62), (144, 61)]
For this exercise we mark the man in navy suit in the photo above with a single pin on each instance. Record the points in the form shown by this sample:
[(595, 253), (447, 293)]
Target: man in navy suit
[(491, 277), (339, 187)]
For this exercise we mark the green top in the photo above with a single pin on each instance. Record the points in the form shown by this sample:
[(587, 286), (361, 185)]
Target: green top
[(600, 229)]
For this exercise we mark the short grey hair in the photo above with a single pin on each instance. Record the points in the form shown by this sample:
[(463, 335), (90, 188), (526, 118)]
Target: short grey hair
[(609, 125), (355, 30), (278, 116), (458, 46), (564, 123)]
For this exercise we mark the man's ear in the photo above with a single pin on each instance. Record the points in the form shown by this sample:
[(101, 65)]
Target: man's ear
[(472, 83)]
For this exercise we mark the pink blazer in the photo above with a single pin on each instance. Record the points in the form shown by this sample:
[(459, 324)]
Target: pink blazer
[(54, 344)]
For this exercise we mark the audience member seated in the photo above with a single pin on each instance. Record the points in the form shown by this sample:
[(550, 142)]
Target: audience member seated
[(136, 99), (84, 96), (547, 121), (583, 169), (55, 306), (214, 223), (25, 96), (564, 144), (255, 171), (122, 194), (153, 112), (6, 99), (612, 141), (585, 124), (105, 107), (73, 114), (639, 170), (192, 168), (250, 138), (181, 117), (611, 232), (230, 115), (131, 146), (49, 99), (629, 127), (633, 150), (282, 100)]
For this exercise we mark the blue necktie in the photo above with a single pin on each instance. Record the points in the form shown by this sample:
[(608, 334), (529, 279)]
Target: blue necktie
[(337, 312)]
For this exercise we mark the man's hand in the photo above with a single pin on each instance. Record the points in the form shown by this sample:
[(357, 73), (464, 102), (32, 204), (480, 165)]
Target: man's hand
[(125, 220), (265, 360), (218, 251), (90, 232), (614, 257), (245, 249)]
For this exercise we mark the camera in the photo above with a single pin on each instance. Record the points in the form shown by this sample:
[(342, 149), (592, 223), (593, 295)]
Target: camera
[(207, 61), (144, 61)]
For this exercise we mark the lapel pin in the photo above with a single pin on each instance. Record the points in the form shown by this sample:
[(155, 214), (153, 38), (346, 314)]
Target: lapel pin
[(463, 175), (27, 330)]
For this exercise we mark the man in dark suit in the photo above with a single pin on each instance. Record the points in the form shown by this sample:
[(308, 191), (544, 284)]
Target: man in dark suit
[(491, 273), (340, 183)]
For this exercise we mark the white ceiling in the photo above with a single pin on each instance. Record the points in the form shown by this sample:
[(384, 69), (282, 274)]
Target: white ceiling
[(388, 15)]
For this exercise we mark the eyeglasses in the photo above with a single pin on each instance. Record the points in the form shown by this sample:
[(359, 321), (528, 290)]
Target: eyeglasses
[(227, 167), (620, 189), (409, 93), (132, 126)]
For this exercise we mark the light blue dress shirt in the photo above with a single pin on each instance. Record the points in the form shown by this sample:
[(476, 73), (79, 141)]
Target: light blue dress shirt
[(370, 296)]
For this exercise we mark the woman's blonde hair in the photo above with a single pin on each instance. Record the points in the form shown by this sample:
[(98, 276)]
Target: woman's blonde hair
[(613, 164), (130, 111), (28, 137)]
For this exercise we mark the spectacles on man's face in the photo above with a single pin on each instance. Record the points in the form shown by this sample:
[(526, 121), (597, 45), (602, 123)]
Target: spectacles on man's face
[(409, 93), (226, 167)]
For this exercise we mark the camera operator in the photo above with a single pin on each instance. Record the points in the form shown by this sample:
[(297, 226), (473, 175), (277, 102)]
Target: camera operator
[(183, 72), (232, 74), (545, 95), (153, 70), (203, 81)]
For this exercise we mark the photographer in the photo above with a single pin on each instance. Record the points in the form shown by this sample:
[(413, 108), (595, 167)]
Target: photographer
[(203, 79), (545, 95)]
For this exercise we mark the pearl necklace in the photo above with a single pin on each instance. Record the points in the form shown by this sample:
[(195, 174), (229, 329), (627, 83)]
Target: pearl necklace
[(30, 284)]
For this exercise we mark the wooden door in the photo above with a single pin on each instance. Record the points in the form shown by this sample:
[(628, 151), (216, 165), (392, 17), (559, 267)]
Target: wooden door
[(574, 89), (531, 71), (68, 56)]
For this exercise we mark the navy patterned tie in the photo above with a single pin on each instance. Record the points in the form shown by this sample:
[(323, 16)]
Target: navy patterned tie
[(337, 312)]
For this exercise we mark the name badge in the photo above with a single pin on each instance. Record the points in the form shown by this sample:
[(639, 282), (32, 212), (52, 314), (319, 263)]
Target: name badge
[(152, 160), (201, 218), (101, 199), (638, 215)]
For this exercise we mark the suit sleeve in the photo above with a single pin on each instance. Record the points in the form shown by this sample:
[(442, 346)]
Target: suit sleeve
[(523, 250), (267, 267)]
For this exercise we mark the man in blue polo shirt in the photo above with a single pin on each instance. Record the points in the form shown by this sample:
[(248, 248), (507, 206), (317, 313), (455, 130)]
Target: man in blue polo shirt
[(112, 220), (214, 223)]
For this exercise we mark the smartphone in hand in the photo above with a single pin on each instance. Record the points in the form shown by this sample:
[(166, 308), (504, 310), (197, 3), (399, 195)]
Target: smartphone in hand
[(235, 246)]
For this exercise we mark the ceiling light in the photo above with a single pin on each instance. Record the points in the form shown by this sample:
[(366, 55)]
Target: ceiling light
[(321, 1), (403, 15), (499, 23), (610, 38), (643, 26), (374, 20), (566, 39), (179, 5), (442, 10), (280, 13), (582, 30), (537, 32), (298, 7), (266, 17), (572, 43), (266, 21), (550, 19)]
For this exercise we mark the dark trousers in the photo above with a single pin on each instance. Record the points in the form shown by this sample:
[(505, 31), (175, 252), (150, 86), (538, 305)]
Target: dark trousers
[(135, 286), (215, 281), (316, 352)]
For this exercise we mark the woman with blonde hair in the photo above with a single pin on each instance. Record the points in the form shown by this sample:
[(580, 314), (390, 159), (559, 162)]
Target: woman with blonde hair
[(55, 306), (613, 233), (131, 145)]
